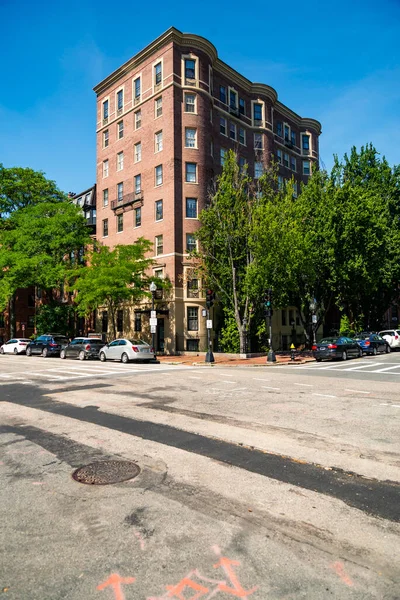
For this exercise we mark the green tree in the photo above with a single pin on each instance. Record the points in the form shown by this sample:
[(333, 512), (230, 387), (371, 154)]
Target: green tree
[(55, 317), (226, 248), (114, 276), (21, 187)]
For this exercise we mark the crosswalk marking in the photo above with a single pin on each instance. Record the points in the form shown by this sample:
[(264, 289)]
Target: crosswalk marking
[(385, 369)]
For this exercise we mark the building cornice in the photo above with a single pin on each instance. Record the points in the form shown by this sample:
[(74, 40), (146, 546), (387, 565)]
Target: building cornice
[(173, 35)]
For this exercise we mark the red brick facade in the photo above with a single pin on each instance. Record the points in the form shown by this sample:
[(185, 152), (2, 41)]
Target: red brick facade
[(185, 72)]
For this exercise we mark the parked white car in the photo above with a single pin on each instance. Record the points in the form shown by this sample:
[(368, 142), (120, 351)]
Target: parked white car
[(126, 350), (15, 346), (392, 336)]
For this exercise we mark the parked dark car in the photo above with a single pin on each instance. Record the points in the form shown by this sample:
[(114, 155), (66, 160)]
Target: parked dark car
[(336, 347), (82, 348), (47, 345), (372, 343)]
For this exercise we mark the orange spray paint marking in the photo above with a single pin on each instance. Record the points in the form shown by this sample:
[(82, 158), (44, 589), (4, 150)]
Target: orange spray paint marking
[(237, 590), (115, 582), (338, 567), (175, 591)]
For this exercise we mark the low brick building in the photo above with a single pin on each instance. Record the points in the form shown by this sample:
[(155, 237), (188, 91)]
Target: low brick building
[(164, 122)]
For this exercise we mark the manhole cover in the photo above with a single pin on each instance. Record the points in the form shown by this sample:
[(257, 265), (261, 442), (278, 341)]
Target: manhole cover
[(106, 472)]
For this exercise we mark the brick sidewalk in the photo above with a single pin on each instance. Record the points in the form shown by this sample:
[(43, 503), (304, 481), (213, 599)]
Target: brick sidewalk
[(229, 361)]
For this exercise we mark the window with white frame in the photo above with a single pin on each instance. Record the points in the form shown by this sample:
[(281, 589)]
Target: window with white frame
[(222, 156), (120, 130), (138, 217), (286, 159), (120, 191), (105, 197), (279, 157), (192, 290), (242, 136), (286, 132), (192, 318), (138, 183), (191, 208), (158, 141), (190, 70), (158, 172), (105, 109), (293, 137), (137, 90), (120, 223), (258, 141), (120, 101), (105, 227), (159, 245), (191, 172), (293, 163), (120, 161), (158, 107), (233, 99), (105, 138), (242, 106), (191, 244), (190, 137), (279, 128), (158, 210), (190, 103), (258, 169), (138, 152), (159, 273), (105, 168), (232, 131), (242, 164), (305, 143), (138, 119), (158, 74), (257, 113), (280, 182), (306, 167), (222, 125)]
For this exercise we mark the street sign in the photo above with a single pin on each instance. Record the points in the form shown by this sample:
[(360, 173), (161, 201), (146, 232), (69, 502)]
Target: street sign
[(153, 322), (23, 326), (314, 318), (209, 324), (153, 329), (153, 314), (204, 312)]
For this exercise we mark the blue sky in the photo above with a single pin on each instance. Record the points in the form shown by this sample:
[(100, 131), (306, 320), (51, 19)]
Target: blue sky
[(338, 62)]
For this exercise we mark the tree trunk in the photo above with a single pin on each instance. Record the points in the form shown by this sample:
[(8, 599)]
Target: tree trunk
[(12, 317)]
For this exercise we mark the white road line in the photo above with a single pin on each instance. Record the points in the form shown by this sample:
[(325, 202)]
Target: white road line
[(362, 367), (304, 384), (6, 375), (254, 379), (231, 382), (324, 395), (325, 368), (357, 391), (266, 387), (385, 404), (385, 369)]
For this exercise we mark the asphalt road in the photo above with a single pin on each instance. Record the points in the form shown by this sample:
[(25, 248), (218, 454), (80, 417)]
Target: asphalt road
[(272, 482)]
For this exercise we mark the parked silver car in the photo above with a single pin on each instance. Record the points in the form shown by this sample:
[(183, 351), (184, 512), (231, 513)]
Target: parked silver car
[(126, 350)]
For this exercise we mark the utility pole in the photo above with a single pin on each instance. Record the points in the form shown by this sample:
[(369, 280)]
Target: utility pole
[(268, 314)]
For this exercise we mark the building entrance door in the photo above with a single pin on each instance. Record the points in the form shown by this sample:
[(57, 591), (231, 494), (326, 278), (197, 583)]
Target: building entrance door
[(160, 335)]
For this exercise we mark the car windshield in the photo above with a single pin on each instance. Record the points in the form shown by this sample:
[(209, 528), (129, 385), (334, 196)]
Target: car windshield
[(138, 343), (328, 341)]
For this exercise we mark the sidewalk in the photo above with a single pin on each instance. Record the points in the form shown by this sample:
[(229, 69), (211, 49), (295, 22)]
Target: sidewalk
[(232, 361)]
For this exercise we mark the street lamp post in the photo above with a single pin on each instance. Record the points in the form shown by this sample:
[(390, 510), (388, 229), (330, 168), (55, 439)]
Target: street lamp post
[(313, 307), (153, 289)]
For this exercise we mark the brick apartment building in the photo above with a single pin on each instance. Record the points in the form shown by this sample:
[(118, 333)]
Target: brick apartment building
[(164, 122)]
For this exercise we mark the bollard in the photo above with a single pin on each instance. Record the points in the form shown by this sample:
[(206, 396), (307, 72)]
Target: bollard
[(292, 352)]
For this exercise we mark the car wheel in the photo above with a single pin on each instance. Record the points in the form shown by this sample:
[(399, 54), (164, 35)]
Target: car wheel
[(374, 351), (15, 351), (2, 350), (44, 352), (344, 355), (124, 358), (82, 355), (318, 359), (360, 353), (28, 352), (63, 354), (388, 349), (102, 357)]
